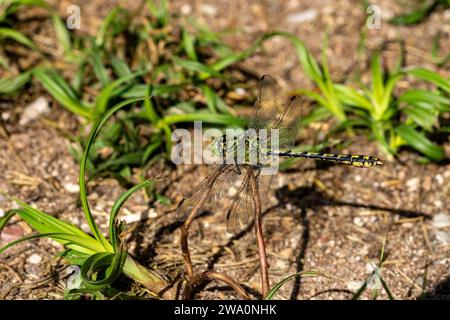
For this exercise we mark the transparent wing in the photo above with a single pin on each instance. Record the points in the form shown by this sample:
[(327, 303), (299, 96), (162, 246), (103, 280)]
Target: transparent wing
[(203, 189), (266, 105), (241, 210), (287, 123), (272, 112)]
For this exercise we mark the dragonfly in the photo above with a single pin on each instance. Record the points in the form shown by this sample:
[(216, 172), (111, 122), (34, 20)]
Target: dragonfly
[(246, 156)]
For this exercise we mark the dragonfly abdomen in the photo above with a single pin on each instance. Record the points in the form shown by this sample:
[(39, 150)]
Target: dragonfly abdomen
[(348, 159)]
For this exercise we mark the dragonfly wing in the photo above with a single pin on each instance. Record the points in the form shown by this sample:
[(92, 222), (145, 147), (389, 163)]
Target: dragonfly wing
[(241, 209), (287, 123), (266, 105), (201, 191), (273, 112)]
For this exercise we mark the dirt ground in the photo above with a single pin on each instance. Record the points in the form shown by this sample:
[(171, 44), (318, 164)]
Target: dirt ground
[(332, 219)]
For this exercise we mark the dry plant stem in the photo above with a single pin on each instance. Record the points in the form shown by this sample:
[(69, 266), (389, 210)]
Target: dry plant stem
[(265, 286), (226, 279), (184, 238), (192, 279)]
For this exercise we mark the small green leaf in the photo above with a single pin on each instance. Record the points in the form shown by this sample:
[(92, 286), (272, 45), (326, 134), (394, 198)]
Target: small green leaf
[(17, 36), (188, 45), (62, 33), (278, 286), (12, 85), (419, 142)]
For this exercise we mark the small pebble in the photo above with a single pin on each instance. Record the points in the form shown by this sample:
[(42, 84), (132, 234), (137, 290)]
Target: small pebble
[(185, 9), (354, 285), (370, 267), (209, 9), (39, 107), (304, 16), (439, 178), (358, 221), (441, 220), (72, 187), (152, 213), (34, 259), (412, 183), (134, 217), (442, 237)]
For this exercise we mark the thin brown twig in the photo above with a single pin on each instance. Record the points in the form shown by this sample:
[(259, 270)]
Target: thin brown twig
[(265, 286), (192, 279)]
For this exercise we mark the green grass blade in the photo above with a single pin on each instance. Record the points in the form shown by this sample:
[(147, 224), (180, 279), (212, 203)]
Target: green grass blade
[(101, 103), (188, 45), (8, 215), (82, 177), (114, 262), (99, 69), (118, 205), (278, 286), (419, 142), (53, 84), (432, 77), (222, 119), (120, 67), (198, 67), (17, 36), (62, 34), (377, 77), (12, 85)]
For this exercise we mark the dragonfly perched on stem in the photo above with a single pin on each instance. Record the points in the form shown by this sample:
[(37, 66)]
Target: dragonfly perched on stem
[(250, 152), (250, 157)]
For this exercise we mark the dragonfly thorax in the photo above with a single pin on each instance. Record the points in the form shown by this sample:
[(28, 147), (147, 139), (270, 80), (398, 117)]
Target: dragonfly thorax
[(245, 148)]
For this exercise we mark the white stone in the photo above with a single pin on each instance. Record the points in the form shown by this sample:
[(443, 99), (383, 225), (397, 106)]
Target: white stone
[(354, 285), (132, 218), (441, 220), (442, 237), (370, 267), (240, 91), (72, 187), (152, 213), (34, 259), (358, 221), (304, 16), (74, 281), (439, 178), (412, 183), (209, 9), (35, 109), (186, 9)]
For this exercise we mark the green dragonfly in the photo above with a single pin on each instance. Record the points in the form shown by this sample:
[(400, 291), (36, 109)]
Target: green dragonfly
[(270, 135)]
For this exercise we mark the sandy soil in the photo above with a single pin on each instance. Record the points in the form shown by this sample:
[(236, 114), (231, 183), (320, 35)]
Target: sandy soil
[(332, 219)]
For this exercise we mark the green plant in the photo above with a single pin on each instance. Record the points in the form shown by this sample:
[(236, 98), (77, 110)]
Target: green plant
[(398, 121), (375, 281), (420, 13), (179, 77), (281, 283), (102, 260), (394, 121)]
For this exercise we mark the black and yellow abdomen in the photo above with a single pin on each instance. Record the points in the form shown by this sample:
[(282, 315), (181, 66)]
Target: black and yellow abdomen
[(361, 161)]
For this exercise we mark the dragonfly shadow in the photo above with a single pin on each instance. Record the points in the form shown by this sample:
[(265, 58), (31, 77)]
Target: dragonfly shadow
[(149, 251), (439, 292), (310, 198)]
